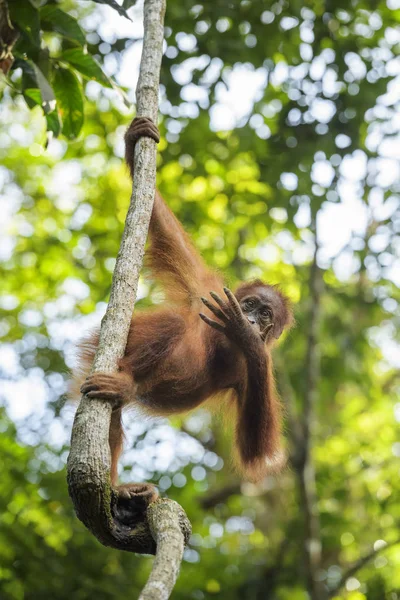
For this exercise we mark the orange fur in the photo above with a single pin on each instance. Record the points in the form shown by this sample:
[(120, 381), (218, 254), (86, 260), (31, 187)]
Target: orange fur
[(174, 361)]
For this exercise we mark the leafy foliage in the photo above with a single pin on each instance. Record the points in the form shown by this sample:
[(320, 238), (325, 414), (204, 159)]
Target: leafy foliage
[(53, 54), (313, 149)]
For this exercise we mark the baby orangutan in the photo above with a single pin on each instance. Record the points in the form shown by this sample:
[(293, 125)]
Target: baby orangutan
[(204, 341)]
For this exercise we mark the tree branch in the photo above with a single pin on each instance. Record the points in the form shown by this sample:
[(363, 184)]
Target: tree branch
[(304, 463), (295, 429), (166, 520), (8, 37), (220, 495), (359, 564), (165, 524)]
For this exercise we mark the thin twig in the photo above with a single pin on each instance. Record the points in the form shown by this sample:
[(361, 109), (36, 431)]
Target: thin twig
[(359, 564), (220, 495)]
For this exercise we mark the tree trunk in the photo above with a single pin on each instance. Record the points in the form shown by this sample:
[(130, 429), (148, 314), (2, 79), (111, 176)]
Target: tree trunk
[(89, 459)]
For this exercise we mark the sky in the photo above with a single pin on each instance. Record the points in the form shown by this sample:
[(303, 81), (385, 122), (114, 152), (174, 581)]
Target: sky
[(25, 393)]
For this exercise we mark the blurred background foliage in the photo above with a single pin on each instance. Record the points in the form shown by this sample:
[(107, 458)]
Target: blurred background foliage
[(280, 154)]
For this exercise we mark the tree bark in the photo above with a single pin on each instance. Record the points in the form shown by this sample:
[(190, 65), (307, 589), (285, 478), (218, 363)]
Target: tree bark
[(8, 37), (165, 524), (302, 455), (165, 518)]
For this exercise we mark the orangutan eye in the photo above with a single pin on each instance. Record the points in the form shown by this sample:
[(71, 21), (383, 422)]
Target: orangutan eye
[(250, 303)]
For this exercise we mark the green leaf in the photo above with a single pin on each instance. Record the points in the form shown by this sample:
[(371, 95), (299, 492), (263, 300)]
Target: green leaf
[(33, 81), (116, 6), (54, 19), (34, 94), (53, 123), (128, 3), (28, 80), (47, 92), (26, 17), (69, 101), (86, 64)]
